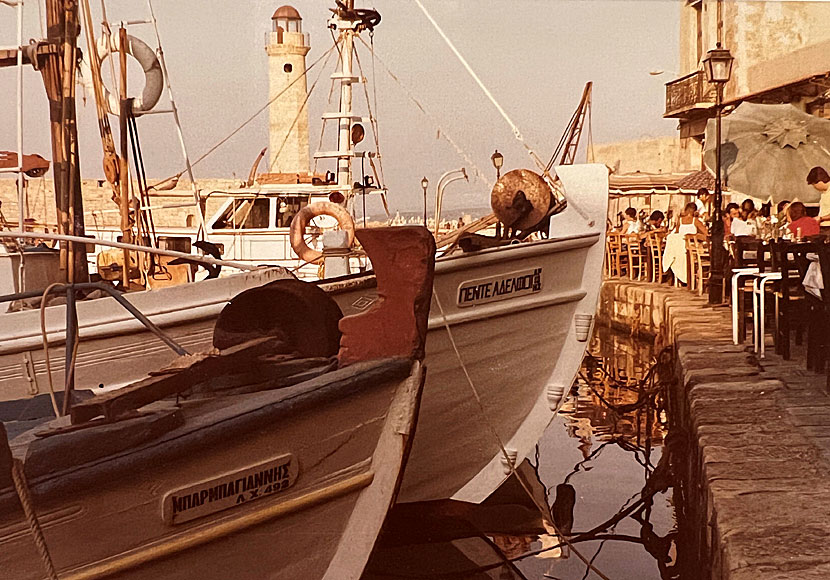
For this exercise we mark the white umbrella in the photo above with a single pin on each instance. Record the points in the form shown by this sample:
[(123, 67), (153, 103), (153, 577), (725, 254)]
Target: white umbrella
[(767, 151)]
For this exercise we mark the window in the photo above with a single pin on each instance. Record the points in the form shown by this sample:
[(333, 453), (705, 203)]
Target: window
[(245, 214)]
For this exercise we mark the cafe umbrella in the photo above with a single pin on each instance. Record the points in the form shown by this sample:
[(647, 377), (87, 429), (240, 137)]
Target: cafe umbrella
[(767, 151)]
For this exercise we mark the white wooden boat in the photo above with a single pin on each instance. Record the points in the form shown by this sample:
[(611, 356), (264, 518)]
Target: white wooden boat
[(255, 473), (521, 348), (115, 348)]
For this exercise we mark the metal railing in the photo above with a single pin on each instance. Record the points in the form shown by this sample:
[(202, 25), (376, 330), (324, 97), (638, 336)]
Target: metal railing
[(689, 92)]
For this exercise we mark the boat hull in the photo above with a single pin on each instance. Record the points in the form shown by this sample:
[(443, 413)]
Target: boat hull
[(113, 518), (115, 349), (501, 363)]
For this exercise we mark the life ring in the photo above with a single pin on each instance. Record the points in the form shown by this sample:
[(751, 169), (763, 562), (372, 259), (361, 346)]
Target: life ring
[(153, 76), (309, 212)]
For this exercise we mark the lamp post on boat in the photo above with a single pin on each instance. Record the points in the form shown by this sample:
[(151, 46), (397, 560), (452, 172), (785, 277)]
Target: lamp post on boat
[(718, 66), (498, 160), (424, 185)]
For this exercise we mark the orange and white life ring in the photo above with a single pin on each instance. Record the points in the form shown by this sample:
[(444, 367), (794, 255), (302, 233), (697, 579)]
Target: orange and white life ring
[(308, 213)]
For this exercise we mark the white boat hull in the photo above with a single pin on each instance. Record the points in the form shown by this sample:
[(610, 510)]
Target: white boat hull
[(522, 351), (321, 523), (115, 349)]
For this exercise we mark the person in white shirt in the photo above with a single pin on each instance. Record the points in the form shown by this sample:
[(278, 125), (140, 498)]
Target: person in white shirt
[(819, 179), (631, 225)]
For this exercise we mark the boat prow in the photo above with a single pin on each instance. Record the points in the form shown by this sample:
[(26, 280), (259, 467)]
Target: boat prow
[(268, 459)]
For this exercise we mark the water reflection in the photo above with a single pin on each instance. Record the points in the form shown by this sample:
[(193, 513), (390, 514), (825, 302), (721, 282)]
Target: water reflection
[(591, 503)]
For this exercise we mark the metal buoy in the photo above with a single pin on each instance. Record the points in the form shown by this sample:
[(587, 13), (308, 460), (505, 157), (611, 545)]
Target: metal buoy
[(520, 199)]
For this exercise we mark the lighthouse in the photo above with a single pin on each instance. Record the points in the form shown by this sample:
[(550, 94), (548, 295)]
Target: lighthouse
[(287, 47)]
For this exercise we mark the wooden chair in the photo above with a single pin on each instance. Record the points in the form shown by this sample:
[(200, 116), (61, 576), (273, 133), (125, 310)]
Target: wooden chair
[(618, 265), (793, 312), (636, 261), (691, 263), (702, 270), (655, 244)]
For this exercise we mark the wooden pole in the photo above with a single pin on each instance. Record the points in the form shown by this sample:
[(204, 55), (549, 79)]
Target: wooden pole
[(58, 72), (124, 171)]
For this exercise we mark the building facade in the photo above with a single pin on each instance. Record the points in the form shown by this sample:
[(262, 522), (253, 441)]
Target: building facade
[(781, 51)]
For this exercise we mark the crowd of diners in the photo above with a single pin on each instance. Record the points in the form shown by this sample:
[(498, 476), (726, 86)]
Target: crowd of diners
[(778, 259), (788, 220)]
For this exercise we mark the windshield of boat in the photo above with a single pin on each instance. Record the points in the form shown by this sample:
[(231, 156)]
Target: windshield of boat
[(245, 214)]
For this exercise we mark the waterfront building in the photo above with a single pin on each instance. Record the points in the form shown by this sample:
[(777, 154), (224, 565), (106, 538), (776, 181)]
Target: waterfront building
[(782, 55)]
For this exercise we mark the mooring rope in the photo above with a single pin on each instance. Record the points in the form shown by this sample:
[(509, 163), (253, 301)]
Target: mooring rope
[(544, 510), (22, 488)]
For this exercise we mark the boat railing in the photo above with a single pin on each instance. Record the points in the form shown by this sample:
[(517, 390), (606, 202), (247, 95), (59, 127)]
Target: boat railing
[(72, 324)]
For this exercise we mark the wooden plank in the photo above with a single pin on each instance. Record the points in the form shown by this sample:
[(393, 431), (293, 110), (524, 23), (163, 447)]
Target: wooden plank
[(115, 403)]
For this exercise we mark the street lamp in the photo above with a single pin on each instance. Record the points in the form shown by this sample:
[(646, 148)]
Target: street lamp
[(718, 67), (424, 185), (498, 160)]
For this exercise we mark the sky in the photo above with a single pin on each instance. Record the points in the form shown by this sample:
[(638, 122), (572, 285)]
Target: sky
[(535, 56)]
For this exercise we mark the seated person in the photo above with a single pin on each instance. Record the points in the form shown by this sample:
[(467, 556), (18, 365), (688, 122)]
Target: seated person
[(654, 223), (799, 220), (631, 225), (741, 226)]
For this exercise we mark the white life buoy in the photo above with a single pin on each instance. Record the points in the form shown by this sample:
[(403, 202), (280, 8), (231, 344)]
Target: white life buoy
[(309, 212), (146, 57)]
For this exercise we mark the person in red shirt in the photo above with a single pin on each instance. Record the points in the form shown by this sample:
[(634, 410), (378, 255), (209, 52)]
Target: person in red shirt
[(799, 220)]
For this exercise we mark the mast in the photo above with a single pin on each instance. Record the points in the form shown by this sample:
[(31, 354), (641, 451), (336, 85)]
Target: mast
[(58, 71), (344, 141)]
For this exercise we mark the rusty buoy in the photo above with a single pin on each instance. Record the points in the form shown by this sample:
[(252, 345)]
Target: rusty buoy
[(520, 199)]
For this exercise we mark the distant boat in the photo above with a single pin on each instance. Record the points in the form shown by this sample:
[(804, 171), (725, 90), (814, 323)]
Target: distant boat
[(248, 464)]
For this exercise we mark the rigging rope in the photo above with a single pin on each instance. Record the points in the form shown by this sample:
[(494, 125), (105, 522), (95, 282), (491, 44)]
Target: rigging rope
[(544, 510), (22, 489), (516, 132), (300, 110), (441, 133)]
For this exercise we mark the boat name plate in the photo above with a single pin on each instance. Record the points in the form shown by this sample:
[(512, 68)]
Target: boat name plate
[(229, 490), (500, 287)]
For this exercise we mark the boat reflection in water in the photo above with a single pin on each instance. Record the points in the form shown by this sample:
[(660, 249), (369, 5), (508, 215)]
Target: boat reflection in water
[(598, 475)]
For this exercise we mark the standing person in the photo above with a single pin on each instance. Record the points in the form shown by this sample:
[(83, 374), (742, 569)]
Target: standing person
[(819, 179), (674, 256), (801, 225)]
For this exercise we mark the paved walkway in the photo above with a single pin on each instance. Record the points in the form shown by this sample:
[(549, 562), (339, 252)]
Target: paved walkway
[(762, 460)]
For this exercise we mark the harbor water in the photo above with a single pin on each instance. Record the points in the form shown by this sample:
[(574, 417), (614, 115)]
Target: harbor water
[(597, 469)]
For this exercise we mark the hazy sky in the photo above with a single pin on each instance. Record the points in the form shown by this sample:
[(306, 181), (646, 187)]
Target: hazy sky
[(534, 55)]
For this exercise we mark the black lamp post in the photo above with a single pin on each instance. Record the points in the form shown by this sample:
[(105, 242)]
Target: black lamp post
[(718, 66), (424, 185), (498, 160)]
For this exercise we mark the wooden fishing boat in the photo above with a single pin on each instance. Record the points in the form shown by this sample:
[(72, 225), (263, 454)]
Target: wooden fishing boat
[(508, 328), (115, 348), (249, 463)]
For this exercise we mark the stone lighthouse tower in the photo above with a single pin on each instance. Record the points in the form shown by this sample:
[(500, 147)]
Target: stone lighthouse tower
[(288, 125)]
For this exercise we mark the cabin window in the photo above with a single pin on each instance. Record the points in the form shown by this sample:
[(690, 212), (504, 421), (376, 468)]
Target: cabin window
[(245, 214), (287, 208)]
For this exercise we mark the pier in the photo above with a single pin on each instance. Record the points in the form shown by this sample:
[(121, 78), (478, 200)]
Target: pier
[(758, 451)]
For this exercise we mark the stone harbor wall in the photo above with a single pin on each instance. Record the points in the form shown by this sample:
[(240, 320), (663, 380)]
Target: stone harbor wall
[(101, 211), (757, 459)]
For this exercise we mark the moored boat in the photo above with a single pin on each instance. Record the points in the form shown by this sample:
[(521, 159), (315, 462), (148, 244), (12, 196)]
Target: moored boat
[(249, 463)]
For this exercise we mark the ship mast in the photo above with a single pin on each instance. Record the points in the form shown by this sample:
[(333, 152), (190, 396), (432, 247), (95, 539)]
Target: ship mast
[(344, 141)]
